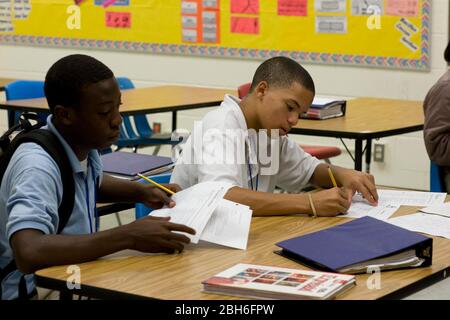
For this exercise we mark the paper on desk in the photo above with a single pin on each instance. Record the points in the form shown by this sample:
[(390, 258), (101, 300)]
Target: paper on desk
[(194, 206), (390, 200), (426, 223), (410, 198), (361, 208), (439, 209), (229, 225)]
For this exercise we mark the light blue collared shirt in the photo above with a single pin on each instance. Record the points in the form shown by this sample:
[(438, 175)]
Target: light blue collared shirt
[(31, 192)]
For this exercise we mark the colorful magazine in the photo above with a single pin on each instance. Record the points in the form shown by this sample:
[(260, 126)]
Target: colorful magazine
[(264, 282)]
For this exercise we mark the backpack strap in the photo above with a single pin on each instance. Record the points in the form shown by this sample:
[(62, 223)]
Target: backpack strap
[(53, 146)]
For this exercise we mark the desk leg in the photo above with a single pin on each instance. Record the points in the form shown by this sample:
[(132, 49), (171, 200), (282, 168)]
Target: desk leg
[(358, 154), (174, 120), (368, 154)]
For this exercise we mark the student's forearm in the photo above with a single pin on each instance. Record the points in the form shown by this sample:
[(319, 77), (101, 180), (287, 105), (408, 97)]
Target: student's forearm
[(119, 190), (321, 177), (270, 204), (40, 251)]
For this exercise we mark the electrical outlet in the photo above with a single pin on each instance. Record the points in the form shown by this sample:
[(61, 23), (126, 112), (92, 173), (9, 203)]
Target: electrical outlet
[(378, 152)]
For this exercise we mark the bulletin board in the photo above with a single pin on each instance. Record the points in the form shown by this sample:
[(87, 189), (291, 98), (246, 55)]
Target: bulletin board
[(375, 33)]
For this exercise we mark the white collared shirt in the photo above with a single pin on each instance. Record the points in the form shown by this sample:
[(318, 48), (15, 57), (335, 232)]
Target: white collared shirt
[(221, 148)]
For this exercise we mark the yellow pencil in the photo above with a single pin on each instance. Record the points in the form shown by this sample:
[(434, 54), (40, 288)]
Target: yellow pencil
[(333, 180), (156, 184)]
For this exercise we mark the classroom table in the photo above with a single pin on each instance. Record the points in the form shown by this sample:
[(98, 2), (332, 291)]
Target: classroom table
[(367, 119), (4, 82), (134, 275), (145, 100)]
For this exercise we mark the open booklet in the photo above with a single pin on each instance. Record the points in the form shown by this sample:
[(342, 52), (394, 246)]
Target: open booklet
[(214, 219)]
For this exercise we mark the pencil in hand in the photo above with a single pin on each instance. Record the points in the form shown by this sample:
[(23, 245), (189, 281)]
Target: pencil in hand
[(156, 184), (333, 180)]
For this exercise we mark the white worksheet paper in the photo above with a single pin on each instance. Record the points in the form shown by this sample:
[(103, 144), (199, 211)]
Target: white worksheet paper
[(410, 198), (194, 206), (426, 223), (229, 225), (390, 200), (439, 209)]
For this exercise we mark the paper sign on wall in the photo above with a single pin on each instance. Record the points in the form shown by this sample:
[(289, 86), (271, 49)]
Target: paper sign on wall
[(245, 25), (292, 7), (118, 19)]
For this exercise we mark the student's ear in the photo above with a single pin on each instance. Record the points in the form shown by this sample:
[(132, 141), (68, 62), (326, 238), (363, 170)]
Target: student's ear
[(261, 89), (64, 115)]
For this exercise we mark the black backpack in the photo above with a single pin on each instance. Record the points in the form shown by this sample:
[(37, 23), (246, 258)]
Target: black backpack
[(53, 146)]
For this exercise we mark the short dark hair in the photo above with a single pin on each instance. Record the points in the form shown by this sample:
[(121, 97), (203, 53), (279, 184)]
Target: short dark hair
[(282, 72), (69, 75), (447, 53)]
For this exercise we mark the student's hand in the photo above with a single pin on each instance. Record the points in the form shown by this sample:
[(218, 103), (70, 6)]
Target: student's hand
[(154, 234), (357, 181), (331, 202), (156, 198)]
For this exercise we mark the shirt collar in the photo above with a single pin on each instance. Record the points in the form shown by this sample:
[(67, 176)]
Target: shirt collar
[(232, 102), (74, 162)]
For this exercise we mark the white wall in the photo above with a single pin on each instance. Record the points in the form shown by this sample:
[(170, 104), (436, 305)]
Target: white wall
[(406, 162)]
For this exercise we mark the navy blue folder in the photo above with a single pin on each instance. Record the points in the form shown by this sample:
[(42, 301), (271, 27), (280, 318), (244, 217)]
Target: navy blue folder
[(130, 164), (353, 242)]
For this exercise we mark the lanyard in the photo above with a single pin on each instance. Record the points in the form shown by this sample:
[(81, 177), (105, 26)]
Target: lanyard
[(95, 217), (250, 171), (251, 178)]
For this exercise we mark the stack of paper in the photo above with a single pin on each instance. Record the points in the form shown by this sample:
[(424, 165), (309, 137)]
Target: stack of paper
[(214, 219)]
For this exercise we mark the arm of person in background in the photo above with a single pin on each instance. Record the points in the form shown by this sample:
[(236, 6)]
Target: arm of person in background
[(437, 122)]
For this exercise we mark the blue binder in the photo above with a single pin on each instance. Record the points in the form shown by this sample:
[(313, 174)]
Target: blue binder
[(354, 242), (130, 164)]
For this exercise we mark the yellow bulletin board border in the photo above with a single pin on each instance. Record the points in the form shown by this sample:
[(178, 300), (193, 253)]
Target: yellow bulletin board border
[(422, 64)]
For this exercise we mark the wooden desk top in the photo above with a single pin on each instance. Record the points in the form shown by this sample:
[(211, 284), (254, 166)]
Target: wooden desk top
[(4, 82), (374, 117), (146, 100), (179, 276)]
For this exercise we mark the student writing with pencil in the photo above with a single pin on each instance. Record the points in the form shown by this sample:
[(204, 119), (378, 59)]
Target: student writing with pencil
[(245, 143)]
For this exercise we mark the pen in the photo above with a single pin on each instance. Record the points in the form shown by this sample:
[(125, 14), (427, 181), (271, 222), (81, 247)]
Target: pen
[(156, 184), (333, 180)]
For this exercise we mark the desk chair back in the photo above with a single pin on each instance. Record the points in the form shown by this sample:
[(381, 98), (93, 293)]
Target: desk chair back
[(141, 209), (142, 134), (320, 152), (24, 89), (437, 183)]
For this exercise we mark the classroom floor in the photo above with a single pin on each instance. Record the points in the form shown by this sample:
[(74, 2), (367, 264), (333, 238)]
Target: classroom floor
[(438, 291)]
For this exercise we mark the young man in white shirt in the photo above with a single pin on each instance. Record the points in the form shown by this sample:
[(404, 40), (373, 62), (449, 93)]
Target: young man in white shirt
[(244, 142)]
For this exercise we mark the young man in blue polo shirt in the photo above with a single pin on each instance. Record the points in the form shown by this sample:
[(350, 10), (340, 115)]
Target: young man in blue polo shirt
[(84, 99)]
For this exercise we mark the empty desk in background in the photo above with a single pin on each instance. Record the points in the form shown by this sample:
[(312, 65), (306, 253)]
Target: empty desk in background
[(367, 119), (146, 100), (131, 274)]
